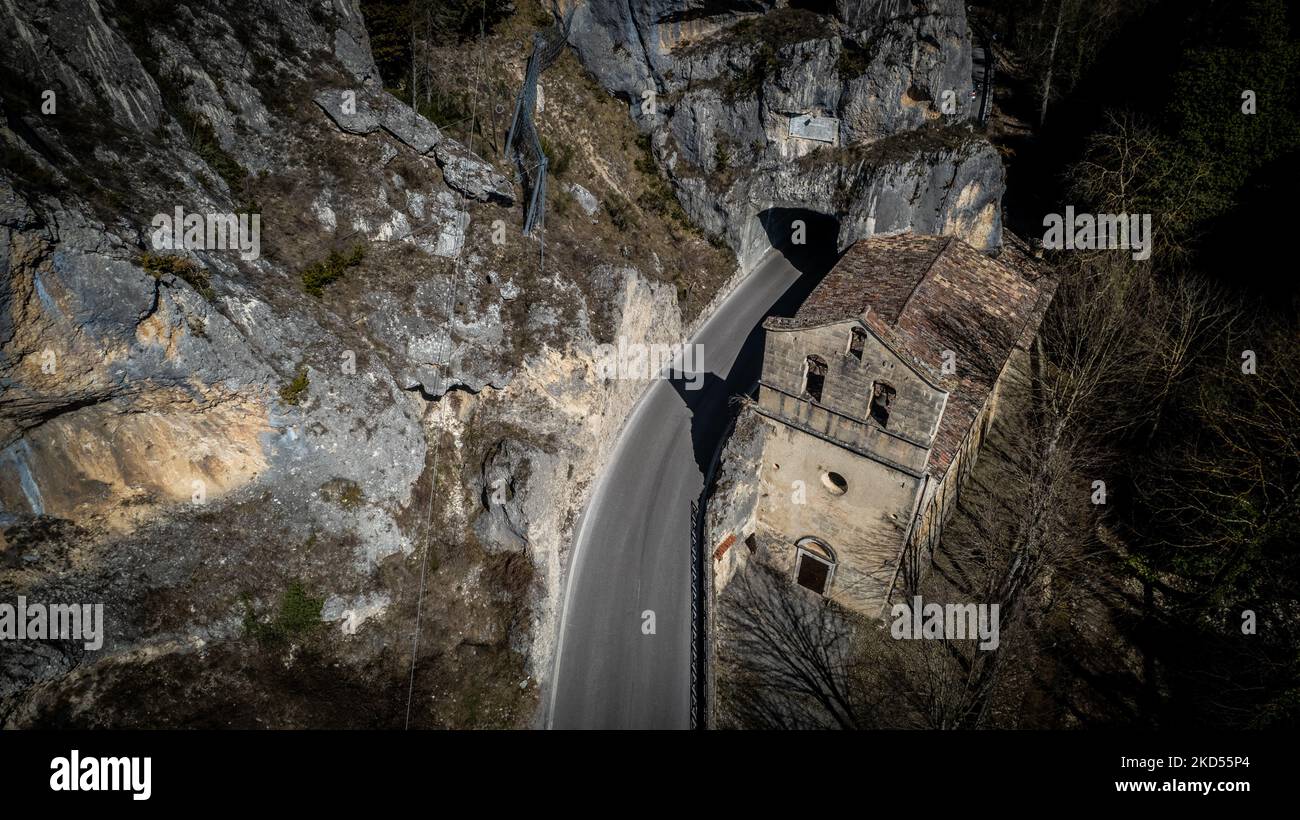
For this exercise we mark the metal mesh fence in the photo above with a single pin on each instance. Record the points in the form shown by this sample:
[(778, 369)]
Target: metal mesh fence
[(523, 144)]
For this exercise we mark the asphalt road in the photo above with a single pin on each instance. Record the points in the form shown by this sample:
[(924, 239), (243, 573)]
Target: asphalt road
[(632, 552)]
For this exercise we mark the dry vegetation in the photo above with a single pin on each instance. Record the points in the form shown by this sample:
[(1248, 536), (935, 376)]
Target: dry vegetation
[(592, 143)]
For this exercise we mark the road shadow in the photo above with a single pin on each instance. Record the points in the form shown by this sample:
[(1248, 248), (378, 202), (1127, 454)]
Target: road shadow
[(708, 397)]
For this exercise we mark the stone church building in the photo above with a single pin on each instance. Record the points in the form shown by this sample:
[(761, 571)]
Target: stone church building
[(874, 400)]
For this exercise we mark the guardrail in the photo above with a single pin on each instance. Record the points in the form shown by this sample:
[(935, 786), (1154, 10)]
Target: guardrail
[(699, 627)]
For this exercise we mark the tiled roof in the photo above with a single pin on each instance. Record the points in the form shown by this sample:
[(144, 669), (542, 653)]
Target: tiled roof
[(880, 272), (924, 295)]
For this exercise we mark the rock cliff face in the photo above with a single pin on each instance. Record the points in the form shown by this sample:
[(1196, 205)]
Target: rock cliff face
[(198, 442), (719, 84), (733, 498)]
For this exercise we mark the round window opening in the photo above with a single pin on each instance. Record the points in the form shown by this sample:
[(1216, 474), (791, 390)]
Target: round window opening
[(835, 483)]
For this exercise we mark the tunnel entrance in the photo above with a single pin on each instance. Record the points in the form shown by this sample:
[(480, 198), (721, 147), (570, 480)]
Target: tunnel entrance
[(809, 240), (780, 226)]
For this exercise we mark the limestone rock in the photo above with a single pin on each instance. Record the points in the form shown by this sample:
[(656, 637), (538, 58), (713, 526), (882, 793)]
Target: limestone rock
[(400, 120), (361, 120), (471, 176), (586, 199), (729, 81)]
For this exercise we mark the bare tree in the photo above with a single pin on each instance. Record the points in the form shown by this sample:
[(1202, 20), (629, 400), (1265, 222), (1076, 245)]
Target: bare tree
[(788, 656), (1125, 169), (1237, 485), (1188, 314), (1046, 92)]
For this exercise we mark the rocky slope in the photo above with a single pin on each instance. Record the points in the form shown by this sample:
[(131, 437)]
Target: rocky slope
[(199, 443), (718, 84)]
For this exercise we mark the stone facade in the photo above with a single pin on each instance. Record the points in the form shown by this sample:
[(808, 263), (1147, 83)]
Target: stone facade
[(874, 400)]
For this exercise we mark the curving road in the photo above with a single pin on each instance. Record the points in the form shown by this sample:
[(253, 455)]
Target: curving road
[(632, 551)]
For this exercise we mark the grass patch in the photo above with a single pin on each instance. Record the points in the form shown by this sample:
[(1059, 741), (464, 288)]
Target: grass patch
[(610, 159), (159, 265), (659, 198), (542, 18), (560, 201), (292, 392), (329, 270), (445, 109), (558, 157), (297, 617), (645, 160), (657, 195)]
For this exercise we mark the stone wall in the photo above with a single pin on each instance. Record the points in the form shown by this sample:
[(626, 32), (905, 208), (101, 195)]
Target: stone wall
[(846, 394), (733, 503), (865, 524), (940, 498)]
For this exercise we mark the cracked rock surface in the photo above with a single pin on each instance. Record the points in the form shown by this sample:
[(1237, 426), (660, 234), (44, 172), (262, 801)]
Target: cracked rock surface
[(727, 82)]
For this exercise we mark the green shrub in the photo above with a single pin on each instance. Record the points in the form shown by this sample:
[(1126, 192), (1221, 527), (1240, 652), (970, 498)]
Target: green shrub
[(330, 269), (657, 196), (558, 157), (298, 616), (645, 163), (560, 201), (204, 142), (351, 496), (721, 156), (299, 611), (292, 392), (446, 109)]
